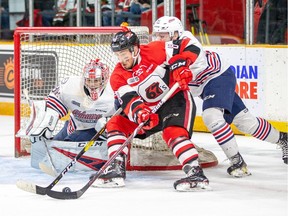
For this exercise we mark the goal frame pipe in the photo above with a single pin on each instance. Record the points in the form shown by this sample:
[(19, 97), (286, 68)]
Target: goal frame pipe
[(17, 76)]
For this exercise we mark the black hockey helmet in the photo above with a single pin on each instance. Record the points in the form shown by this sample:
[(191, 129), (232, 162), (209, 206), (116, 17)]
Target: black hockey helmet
[(124, 40)]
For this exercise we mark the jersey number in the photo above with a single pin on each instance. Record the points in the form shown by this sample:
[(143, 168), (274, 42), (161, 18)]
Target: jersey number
[(153, 91)]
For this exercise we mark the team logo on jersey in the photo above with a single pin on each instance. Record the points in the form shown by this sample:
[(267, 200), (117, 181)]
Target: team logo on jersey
[(172, 46), (209, 97), (153, 91)]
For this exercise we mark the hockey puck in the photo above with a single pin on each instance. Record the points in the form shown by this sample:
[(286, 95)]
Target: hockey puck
[(66, 190)]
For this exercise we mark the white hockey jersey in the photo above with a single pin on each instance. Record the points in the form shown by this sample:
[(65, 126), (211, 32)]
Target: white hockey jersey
[(207, 66), (69, 96)]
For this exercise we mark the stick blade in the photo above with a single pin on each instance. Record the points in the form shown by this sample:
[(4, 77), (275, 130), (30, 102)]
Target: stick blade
[(30, 187), (64, 195)]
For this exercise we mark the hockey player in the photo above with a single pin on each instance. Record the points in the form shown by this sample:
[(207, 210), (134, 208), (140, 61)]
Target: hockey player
[(84, 97), (140, 79), (214, 81)]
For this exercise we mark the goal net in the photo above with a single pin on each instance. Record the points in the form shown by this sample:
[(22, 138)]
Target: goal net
[(44, 56)]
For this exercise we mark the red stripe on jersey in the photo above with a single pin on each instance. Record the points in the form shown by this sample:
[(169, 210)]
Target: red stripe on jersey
[(56, 105), (188, 110), (214, 66), (187, 54)]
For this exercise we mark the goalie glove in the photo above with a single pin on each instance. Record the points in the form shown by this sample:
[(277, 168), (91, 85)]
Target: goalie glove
[(142, 113), (47, 126), (180, 72), (100, 123)]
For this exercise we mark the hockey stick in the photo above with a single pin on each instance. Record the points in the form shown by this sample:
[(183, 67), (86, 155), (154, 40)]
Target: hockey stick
[(67, 194), (44, 168), (30, 187)]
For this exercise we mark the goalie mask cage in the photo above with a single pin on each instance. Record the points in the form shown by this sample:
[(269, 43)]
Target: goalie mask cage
[(43, 56)]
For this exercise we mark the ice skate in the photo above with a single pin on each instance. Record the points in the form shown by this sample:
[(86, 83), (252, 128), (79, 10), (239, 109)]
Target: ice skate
[(195, 180), (113, 175), (283, 144), (238, 168)]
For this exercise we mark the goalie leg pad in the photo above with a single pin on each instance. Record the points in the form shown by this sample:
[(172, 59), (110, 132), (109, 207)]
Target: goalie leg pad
[(38, 153)]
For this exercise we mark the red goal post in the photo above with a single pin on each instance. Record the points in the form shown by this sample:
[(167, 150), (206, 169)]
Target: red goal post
[(43, 56)]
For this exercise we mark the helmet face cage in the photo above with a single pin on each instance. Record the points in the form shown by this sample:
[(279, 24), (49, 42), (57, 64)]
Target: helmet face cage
[(95, 78), (124, 40), (168, 24)]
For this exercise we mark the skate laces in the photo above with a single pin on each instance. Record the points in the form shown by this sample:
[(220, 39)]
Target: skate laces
[(191, 170), (236, 160)]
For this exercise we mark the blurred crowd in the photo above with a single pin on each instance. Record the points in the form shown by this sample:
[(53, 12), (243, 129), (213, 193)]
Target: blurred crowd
[(63, 13), (270, 16)]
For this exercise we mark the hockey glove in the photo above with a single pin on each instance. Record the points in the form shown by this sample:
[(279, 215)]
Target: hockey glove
[(143, 113), (100, 123), (181, 73)]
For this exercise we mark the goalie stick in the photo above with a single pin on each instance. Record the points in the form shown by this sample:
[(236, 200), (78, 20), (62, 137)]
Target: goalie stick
[(33, 188), (67, 194)]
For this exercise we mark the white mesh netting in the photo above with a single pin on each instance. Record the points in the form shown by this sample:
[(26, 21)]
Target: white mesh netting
[(47, 57)]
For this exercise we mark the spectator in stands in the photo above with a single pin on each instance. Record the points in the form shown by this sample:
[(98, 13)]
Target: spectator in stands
[(64, 7), (43, 13), (273, 32), (47, 10), (4, 24), (131, 12), (106, 8)]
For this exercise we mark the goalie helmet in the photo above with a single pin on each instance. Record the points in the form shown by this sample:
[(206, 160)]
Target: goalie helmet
[(124, 40), (168, 24), (95, 78)]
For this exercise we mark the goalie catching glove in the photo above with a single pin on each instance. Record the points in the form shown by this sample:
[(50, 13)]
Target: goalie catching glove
[(142, 113), (180, 72)]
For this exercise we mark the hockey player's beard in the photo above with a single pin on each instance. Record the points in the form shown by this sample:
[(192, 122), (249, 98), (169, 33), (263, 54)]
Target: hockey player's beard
[(127, 64)]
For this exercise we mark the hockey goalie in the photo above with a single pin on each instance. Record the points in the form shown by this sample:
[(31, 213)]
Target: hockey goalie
[(87, 100)]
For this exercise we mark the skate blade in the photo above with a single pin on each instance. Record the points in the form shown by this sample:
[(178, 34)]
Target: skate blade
[(201, 186), (240, 173), (109, 183)]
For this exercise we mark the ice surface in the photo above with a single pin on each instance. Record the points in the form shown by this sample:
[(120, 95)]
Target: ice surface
[(151, 193)]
